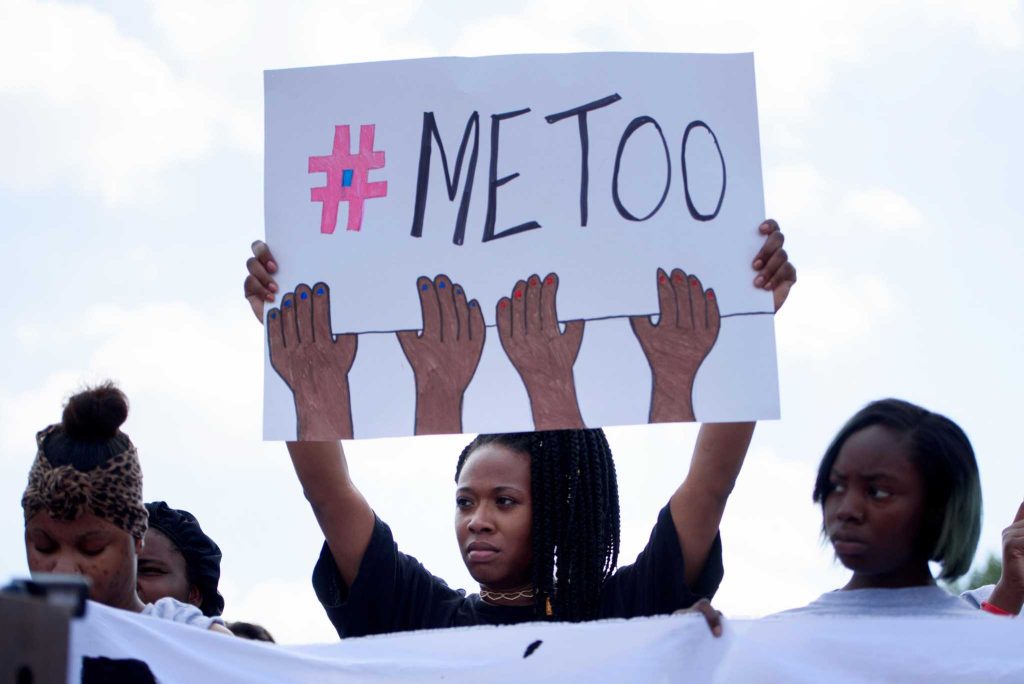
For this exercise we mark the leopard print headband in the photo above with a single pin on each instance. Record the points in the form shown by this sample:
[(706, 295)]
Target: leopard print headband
[(111, 491)]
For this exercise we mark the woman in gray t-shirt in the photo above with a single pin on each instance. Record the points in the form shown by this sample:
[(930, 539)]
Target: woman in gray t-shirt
[(898, 487)]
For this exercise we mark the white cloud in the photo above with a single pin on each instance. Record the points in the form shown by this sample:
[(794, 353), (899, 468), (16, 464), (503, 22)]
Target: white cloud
[(160, 354), (91, 109), (800, 194), (23, 413), (881, 209), (833, 312)]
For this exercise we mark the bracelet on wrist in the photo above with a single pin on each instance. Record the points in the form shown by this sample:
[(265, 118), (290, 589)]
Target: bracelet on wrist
[(995, 610)]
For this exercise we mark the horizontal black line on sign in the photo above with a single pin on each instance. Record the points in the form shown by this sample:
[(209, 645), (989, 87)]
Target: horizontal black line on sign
[(597, 318)]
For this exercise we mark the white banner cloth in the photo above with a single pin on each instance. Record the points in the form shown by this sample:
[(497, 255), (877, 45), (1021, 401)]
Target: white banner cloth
[(663, 649)]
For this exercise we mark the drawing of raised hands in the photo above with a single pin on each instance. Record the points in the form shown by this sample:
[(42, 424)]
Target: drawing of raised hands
[(675, 347), (313, 362), (444, 355), (541, 353)]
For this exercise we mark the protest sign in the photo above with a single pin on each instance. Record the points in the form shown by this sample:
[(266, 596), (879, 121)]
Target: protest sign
[(514, 243)]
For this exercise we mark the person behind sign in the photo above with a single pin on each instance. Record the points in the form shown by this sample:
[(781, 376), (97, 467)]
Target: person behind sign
[(179, 560), (536, 520), (898, 487), (83, 506)]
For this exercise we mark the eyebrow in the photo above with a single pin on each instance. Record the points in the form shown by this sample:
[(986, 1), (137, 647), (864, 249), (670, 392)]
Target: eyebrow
[(499, 488), (868, 476)]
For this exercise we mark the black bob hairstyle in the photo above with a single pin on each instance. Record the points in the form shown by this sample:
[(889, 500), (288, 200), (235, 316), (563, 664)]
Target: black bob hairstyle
[(944, 458), (575, 521)]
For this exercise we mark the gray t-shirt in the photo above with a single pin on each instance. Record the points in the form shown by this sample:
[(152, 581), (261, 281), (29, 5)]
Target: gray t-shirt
[(975, 596), (910, 602), (174, 610)]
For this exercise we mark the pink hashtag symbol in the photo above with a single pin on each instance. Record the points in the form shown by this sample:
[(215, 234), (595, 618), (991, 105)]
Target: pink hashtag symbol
[(347, 178)]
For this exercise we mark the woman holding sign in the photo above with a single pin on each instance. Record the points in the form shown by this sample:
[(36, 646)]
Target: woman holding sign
[(536, 520)]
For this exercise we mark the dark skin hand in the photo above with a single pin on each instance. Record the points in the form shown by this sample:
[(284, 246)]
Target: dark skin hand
[(444, 354), (541, 353), (313, 362), (711, 616), (675, 347), (1009, 591)]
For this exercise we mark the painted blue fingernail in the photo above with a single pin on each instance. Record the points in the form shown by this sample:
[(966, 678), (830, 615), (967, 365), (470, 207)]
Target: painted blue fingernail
[(440, 285), (287, 302), (472, 304), (458, 290), (423, 287), (273, 314), (319, 290), (304, 295)]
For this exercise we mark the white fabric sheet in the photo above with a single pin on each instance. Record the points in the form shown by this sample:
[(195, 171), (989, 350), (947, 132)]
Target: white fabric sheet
[(665, 649)]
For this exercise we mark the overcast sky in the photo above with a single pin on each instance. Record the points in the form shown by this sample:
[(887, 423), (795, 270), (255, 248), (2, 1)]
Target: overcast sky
[(131, 144)]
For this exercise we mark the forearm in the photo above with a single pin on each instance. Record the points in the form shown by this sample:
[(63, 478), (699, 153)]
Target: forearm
[(698, 504), (1006, 597), (438, 410), (344, 516), (324, 415), (553, 403), (671, 399)]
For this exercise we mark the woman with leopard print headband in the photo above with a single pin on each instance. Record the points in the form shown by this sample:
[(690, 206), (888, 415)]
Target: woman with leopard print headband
[(83, 506)]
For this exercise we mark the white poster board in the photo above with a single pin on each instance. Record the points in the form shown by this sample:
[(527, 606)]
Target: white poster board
[(425, 214)]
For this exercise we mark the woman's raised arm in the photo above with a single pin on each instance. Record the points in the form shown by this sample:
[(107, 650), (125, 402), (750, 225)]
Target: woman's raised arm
[(344, 516), (699, 503)]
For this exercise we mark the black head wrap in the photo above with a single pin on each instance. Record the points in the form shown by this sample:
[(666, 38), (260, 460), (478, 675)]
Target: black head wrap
[(202, 555)]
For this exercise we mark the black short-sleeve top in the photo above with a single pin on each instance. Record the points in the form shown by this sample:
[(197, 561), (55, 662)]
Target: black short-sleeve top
[(393, 592)]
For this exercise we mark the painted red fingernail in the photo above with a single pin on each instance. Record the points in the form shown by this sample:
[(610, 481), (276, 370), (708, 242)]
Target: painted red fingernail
[(711, 294), (693, 281), (550, 280), (534, 280), (519, 294), (662, 279), (502, 304), (678, 278)]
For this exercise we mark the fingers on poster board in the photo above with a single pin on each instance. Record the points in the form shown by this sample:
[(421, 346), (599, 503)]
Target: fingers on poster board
[(675, 347), (541, 351), (313, 362), (444, 354)]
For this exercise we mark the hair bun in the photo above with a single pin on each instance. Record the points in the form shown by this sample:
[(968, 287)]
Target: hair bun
[(95, 414)]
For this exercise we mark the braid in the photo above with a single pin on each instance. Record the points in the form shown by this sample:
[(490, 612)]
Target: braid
[(575, 522)]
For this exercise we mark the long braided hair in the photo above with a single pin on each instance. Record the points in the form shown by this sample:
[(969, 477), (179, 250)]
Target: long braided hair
[(575, 523)]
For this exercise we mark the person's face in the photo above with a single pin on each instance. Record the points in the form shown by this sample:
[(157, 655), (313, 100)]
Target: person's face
[(163, 571), (88, 546), (874, 511), (493, 513)]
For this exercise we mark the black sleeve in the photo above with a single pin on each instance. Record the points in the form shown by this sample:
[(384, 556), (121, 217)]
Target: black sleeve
[(655, 584), (392, 592)]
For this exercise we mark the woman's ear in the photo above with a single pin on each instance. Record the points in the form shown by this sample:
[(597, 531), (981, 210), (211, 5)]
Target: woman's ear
[(140, 543), (195, 597)]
